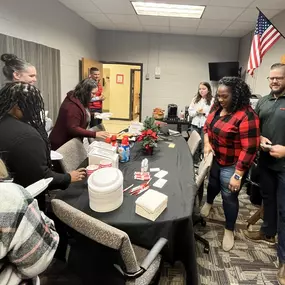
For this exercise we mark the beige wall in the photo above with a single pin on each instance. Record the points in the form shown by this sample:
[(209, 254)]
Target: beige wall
[(119, 96), (258, 82), (183, 61)]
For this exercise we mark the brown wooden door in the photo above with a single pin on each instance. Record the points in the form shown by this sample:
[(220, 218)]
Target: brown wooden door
[(87, 64), (136, 84)]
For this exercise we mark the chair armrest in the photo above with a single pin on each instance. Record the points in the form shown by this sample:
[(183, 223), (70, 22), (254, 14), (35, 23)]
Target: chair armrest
[(153, 253), (147, 261)]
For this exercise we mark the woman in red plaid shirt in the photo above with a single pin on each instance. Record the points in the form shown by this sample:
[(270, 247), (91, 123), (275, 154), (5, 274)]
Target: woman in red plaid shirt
[(232, 134)]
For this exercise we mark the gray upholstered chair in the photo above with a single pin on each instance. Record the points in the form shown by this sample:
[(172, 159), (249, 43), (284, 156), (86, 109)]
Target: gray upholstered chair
[(73, 153), (203, 169), (193, 141), (141, 265), (202, 172)]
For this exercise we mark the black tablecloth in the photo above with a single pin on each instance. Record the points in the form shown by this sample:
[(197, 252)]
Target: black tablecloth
[(175, 223)]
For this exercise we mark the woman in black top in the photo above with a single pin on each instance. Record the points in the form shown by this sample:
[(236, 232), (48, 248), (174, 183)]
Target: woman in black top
[(24, 138)]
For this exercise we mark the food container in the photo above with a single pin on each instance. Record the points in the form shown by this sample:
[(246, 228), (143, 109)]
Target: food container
[(105, 188)]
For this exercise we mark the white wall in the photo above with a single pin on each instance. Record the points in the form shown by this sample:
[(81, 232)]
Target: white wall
[(258, 82), (50, 23), (183, 61)]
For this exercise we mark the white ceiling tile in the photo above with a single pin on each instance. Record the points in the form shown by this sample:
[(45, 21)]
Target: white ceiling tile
[(246, 26), (83, 6), (251, 14), (214, 24), (209, 32), (95, 18), (124, 19), (154, 21), (184, 22), (221, 13), (234, 34), (156, 29), (115, 6), (183, 30), (230, 3), (269, 4)]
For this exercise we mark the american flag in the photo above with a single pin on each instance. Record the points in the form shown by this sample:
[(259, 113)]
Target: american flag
[(265, 36)]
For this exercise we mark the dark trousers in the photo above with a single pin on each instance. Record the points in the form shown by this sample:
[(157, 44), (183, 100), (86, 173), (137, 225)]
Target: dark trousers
[(219, 180), (95, 122), (272, 185)]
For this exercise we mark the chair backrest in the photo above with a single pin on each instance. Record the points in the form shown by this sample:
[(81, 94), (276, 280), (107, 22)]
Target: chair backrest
[(204, 167), (97, 231), (193, 141), (73, 153)]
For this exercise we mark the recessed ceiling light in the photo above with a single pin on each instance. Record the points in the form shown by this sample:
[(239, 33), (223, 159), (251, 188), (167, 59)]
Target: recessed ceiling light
[(168, 10)]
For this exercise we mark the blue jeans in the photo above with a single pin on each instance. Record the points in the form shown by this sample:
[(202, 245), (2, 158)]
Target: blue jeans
[(272, 184), (219, 180)]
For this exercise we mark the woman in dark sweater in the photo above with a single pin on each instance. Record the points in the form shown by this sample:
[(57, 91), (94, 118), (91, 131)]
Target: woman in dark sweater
[(74, 116), (24, 139)]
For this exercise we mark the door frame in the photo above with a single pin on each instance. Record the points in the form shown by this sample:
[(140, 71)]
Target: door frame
[(132, 73), (141, 89)]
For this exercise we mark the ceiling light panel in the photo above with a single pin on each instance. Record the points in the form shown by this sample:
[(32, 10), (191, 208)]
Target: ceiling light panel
[(168, 10)]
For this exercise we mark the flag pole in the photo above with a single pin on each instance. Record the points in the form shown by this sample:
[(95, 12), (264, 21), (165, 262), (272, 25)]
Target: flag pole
[(271, 23)]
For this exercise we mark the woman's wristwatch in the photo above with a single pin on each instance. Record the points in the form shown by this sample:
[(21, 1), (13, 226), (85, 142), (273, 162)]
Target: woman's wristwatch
[(237, 176)]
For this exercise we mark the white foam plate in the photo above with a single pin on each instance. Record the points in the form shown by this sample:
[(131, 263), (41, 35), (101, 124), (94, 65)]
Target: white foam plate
[(38, 187), (54, 155)]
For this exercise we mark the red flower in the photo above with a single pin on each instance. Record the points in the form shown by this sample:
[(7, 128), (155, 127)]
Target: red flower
[(140, 138), (153, 135), (149, 132)]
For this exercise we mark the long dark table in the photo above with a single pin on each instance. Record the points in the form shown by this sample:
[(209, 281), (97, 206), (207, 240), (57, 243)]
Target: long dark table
[(175, 223)]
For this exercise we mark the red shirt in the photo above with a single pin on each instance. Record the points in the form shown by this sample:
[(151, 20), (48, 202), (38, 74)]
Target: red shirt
[(97, 104), (235, 137)]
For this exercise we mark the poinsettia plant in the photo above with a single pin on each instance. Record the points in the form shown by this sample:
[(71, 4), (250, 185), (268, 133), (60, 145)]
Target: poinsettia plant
[(148, 135)]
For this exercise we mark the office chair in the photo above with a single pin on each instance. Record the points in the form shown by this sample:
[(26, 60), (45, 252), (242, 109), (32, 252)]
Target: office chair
[(203, 170)]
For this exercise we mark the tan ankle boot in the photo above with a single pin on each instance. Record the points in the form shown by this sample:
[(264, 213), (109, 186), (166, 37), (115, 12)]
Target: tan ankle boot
[(281, 274)]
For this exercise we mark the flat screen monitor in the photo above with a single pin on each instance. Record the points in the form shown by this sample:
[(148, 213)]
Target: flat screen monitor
[(218, 70)]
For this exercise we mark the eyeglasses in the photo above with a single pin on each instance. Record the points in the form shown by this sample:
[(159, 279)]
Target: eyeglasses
[(271, 79)]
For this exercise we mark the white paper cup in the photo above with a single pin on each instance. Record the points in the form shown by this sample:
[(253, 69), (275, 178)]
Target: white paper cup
[(105, 163), (90, 169)]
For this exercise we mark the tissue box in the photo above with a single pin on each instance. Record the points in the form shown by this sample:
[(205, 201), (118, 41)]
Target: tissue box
[(151, 204), (103, 145), (98, 154)]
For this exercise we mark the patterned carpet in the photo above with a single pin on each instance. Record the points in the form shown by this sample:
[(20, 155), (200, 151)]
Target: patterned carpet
[(247, 263)]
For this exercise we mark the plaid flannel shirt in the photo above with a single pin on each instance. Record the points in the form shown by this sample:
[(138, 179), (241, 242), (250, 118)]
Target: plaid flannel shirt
[(234, 138), (28, 240)]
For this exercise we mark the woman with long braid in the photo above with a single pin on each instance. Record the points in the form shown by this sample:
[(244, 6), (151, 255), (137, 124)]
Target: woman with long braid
[(24, 138)]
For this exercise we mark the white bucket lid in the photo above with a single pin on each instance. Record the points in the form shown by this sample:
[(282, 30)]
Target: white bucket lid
[(105, 180)]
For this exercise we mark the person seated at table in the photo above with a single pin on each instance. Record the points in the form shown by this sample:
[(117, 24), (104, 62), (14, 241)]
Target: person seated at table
[(24, 138), (232, 134), (74, 116), (28, 238), (198, 111)]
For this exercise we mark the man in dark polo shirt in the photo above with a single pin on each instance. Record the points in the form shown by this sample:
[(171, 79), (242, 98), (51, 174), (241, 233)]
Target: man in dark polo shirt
[(271, 112)]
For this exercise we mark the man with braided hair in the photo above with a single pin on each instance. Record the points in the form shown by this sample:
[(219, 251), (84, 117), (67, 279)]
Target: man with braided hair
[(25, 140)]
